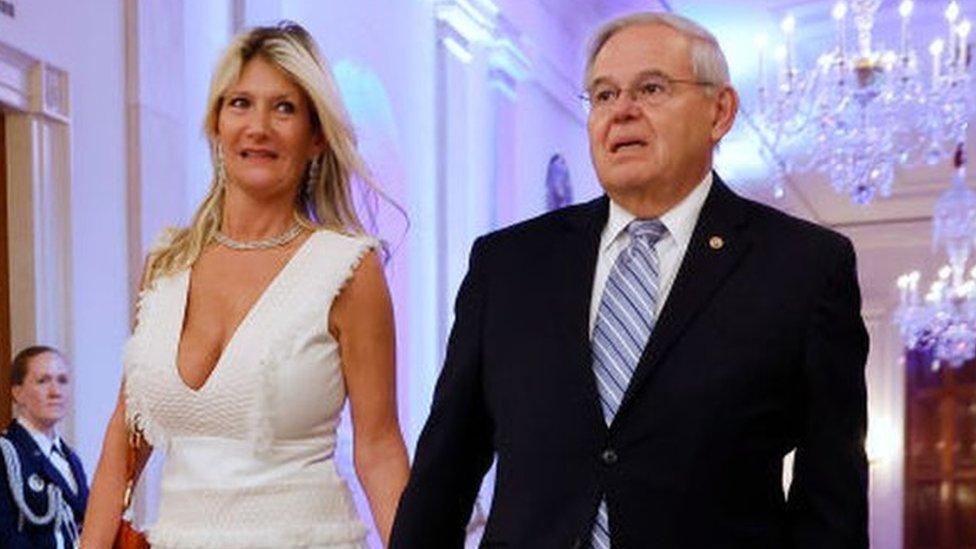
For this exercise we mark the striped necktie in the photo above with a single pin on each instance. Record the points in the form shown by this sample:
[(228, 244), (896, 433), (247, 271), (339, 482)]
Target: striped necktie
[(623, 325)]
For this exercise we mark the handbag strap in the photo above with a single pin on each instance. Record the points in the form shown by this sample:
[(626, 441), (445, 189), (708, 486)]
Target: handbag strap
[(131, 459)]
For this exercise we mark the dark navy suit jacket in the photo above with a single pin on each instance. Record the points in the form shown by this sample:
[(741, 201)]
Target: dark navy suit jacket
[(759, 349), (34, 462)]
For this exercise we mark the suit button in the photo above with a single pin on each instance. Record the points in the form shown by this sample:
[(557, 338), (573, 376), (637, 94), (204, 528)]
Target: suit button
[(608, 457)]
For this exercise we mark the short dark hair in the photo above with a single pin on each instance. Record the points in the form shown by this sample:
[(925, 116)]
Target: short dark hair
[(21, 361)]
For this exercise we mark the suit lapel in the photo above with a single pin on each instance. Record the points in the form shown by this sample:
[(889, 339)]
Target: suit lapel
[(575, 257), (716, 246)]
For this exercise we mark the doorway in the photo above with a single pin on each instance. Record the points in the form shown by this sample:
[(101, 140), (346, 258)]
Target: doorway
[(940, 454)]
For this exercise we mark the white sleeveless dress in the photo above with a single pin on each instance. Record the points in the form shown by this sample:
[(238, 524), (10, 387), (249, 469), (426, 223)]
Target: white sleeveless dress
[(249, 456)]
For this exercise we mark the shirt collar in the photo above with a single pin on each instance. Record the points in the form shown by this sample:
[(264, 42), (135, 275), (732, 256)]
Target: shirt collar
[(45, 443), (680, 220)]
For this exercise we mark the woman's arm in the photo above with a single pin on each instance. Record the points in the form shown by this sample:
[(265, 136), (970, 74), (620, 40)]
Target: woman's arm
[(362, 322), (105, 500)]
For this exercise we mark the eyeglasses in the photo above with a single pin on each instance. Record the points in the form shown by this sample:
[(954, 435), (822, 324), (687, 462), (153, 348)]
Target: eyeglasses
[(651, 91)]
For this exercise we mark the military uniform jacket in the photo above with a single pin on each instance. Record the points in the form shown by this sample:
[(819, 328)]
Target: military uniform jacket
[(37, 473)]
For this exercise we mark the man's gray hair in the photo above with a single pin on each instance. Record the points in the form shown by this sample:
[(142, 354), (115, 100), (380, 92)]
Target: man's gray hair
[(707, 60)]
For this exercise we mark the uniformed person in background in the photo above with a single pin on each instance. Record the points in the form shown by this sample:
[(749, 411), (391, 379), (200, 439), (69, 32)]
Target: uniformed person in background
[(43, 490)]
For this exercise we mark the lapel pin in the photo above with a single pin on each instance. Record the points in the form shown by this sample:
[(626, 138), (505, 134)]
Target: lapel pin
[(716, 242), (35, 482)]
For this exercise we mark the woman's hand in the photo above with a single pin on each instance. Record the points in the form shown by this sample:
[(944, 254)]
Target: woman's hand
[(105, 501)]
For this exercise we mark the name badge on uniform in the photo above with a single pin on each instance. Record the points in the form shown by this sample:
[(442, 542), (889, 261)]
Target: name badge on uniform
[(35, 482)]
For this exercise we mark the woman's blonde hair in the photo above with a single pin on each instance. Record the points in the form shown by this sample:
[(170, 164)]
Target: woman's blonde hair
[(327, 201)]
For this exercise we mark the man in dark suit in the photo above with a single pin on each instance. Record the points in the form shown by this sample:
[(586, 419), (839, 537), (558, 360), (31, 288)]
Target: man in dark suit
[(642, 363), (43, 489)]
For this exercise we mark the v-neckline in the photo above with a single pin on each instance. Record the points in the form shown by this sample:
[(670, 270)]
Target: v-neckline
[(245, 320)]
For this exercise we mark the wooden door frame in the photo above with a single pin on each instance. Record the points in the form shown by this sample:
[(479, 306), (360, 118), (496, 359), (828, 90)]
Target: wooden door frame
[(6, 402)]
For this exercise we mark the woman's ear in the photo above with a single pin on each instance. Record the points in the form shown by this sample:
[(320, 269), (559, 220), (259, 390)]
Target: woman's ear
[(318, 144)]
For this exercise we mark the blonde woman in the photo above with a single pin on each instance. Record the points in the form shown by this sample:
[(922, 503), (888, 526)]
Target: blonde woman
[(254, 324)]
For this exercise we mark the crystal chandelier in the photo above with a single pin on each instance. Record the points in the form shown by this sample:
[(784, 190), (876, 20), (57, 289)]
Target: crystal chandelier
[(863, 111), (943, 323)]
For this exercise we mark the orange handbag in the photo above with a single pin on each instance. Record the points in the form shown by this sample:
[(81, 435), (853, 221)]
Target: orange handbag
[(127, 536)]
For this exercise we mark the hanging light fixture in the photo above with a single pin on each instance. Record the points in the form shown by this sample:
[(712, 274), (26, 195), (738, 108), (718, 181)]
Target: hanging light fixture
[(943, 321), (862, 111)]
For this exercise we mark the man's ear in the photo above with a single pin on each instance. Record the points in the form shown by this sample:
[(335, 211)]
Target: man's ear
[(726, 107)]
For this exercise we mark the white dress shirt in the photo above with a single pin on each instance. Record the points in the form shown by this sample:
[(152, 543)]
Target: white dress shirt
[(680, 223)]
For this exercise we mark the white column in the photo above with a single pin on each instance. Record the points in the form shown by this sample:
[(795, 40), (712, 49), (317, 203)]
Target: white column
[(40, 234), (463, 30), (507, 69), (886, 427), (154, 118), (207, 30)]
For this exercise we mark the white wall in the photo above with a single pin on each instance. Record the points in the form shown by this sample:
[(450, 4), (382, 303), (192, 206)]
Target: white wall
[(206, 32), (85, 39)]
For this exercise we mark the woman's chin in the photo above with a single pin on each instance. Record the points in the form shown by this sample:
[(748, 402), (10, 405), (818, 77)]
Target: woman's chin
[(263, 184), (53, 417)]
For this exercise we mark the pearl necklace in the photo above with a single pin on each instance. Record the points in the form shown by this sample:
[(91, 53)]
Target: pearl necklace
[(263, 244)]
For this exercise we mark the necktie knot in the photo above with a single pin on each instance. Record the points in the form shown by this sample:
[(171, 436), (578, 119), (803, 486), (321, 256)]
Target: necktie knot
[(649, 230)]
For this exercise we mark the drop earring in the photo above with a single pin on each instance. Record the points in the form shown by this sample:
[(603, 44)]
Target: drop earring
[(220, 169), (313, 176)]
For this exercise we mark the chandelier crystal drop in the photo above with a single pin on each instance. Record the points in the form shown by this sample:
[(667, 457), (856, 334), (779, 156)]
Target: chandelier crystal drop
[(863, 110)]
